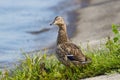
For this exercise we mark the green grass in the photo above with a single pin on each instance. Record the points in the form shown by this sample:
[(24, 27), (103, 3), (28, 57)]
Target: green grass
[(37, 67)]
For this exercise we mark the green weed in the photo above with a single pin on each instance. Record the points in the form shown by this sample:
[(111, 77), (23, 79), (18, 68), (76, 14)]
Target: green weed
[(45, 67)]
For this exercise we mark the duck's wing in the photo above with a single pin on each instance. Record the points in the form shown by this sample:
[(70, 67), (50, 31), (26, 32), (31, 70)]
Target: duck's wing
[(71, 52)]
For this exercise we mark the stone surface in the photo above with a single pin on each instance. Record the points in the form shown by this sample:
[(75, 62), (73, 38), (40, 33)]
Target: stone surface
[(105, 77), (96, 19), (94, 25)]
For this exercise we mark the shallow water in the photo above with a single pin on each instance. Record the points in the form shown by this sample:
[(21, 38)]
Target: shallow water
[(24, 26), (19, 19)]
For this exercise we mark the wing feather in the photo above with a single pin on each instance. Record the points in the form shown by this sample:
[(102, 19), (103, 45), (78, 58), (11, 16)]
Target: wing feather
[(67, 49)]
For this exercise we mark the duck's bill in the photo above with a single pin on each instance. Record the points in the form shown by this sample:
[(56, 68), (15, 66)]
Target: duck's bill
[(52, 23)]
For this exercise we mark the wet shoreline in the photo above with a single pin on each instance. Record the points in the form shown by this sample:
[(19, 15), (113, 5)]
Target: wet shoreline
[(72, 26)]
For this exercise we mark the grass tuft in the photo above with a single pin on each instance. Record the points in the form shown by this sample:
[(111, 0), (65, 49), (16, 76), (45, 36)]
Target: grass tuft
[(45, 67)]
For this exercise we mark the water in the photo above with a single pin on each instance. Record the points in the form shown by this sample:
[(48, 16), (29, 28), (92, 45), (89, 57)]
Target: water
[(18, 18), (24, 25)]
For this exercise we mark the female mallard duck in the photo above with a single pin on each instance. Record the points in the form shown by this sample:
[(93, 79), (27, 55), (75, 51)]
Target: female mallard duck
[(66, 51)]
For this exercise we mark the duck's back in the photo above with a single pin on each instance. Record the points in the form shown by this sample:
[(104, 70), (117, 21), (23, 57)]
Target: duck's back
[(70, 52)]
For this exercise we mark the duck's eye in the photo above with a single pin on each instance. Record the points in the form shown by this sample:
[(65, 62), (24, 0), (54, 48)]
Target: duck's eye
[(57, 18)]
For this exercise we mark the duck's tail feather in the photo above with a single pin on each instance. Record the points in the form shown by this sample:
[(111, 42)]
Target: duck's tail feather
[(88, 60)]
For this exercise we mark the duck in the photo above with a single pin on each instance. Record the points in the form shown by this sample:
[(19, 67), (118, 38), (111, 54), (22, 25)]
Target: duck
[(67, 52)]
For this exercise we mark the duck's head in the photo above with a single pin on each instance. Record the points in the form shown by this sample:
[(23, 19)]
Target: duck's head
[(59, 21)]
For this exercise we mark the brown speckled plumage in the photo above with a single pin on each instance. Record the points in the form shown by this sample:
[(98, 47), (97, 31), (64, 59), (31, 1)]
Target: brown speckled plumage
[(67, 52)]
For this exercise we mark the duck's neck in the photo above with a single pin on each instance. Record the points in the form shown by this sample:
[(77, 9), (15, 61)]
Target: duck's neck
[(62, 34)]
